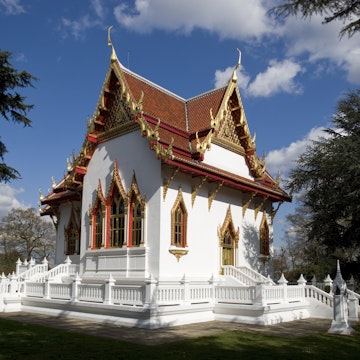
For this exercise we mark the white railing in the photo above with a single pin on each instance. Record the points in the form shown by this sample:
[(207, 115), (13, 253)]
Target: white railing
[(201, 293), (170, 295), (319, 295), (58, 271), (60, 291), (128, 295), (91, 292), (34, 272), (34, 289), (235, 294), (254, 275), (239, 275)]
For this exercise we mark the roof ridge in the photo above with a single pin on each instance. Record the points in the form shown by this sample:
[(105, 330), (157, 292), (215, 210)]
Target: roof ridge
[(206, 93), (136, 75)]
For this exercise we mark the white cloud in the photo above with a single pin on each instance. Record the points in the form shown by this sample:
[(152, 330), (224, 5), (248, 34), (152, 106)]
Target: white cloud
[(248, 21), (240, 19), (78, 27), (279, 77), (12, 7), (8, 199), (222, 77), (284, 159), (321, 42)]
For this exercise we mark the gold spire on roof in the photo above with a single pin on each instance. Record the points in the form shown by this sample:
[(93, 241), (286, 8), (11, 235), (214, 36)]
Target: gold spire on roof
[(234, 76), (113, 56)]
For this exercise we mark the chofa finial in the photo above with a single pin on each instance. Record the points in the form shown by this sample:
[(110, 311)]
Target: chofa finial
[(113, 56), (239, 60), (234, 77)]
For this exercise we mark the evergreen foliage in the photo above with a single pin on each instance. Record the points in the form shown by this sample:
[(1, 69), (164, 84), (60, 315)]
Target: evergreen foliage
[(327, 174), (12, 105), (346, 11)]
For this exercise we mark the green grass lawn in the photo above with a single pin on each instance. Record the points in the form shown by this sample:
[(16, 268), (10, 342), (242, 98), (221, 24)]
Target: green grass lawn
[(26, 341)]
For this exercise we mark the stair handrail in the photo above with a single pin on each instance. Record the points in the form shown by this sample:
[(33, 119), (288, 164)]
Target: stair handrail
[(33, 272), (314, 292), (243, 277), (256, 276)]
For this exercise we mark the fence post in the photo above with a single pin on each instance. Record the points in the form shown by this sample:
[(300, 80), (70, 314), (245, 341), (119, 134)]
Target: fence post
[(187, 296), (328, 282), (283, 283), (75, 288), (150, 292), (109, 283), (13, 283), (353, 308), (260, 294), (67, 262), (47, 288), (18, 264), (302, 282), (46, 264)]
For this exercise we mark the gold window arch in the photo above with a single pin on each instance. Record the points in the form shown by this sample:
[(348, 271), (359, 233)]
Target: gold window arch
[(136, 215), (72, 235), (97, 219), (228, 240), (264, 236), (117, 209), (179, 222)]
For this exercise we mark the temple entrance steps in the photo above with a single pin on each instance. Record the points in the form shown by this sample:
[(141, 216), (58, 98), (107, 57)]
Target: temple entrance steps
[(244, 275), (39, 273)]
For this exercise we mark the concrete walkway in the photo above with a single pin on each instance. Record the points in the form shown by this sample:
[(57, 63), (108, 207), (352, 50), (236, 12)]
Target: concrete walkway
[(170, 334)]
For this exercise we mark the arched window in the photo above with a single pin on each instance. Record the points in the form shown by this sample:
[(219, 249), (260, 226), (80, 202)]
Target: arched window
[(136, 215), (117, 221), (72, 236), (98, 228), (179, 222), (116, 212), (228, 239), (264, 237), (97, 220), (136, 222)]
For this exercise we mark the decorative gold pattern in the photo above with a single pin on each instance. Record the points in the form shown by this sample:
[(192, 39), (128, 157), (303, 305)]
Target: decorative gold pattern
[(274, 211), (228, 225), (167, 182), (134, 190), (258, 208), (179, 202), (201, 147), (195, 190), (212, 194), (178, 252), (116, 182), (246, 205)]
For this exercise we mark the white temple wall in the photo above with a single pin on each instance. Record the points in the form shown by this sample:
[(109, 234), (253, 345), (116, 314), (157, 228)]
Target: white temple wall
[(204, 256), (63, 220), (132, 155), (227, 160)]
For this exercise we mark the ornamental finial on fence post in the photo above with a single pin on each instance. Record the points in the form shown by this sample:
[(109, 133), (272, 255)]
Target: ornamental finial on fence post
[(340, 324)]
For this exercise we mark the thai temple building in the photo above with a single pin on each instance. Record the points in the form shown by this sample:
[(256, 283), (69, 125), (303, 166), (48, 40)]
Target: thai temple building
[(165, 217)]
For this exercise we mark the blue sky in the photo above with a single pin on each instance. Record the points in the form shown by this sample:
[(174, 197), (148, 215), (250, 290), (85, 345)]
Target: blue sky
[(293, 73)]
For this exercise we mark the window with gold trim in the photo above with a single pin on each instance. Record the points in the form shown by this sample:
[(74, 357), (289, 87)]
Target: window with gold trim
[(98, 228), (179, 222), (72, 237), (136, 222), (264, 237), (228, 239), (117, 221)]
